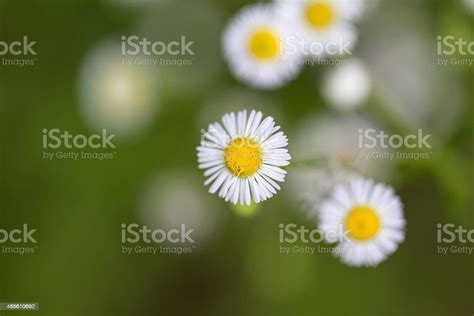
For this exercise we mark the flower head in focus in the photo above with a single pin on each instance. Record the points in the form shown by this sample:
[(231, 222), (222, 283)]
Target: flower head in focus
[(372, 217), (242, 158)]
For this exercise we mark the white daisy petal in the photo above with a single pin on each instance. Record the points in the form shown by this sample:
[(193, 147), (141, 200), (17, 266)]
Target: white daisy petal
[(213, 177), (254, 189), (230, 125), (217, 184)]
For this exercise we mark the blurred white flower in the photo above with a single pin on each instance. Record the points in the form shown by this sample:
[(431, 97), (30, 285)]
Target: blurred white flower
[(330, 145), (372, 216), (171, 199), (310, 186), (242, 159), (413, 89), (469, 5), (336, 140), (325, 22), (115, 96), (347, 86), (254, 50)]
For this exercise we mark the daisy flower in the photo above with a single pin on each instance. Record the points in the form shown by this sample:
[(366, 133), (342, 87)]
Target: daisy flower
[(372, 217), (242, 158), (324, 25), (255, 51)]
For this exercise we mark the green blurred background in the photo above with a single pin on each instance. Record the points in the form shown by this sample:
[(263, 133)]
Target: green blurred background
[(77, 207)]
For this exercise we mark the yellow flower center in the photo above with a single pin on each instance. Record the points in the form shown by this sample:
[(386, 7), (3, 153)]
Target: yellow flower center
[(362, 223), (242, 157), (319, 14), (263, 44)]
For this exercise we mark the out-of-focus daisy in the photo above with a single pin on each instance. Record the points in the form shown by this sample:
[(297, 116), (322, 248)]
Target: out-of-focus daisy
[(330, 144), (372, 216), (255, 51), (162, 205), (310, 186), (469, 5), (242, 160), (410, 91), (336, 139), (347, 86), (114, 95), (324, 26)]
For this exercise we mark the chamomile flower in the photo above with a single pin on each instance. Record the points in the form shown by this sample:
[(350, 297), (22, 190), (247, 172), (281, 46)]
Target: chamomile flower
[(255, 51), (325, 25), (242, 157), (372, 216)]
